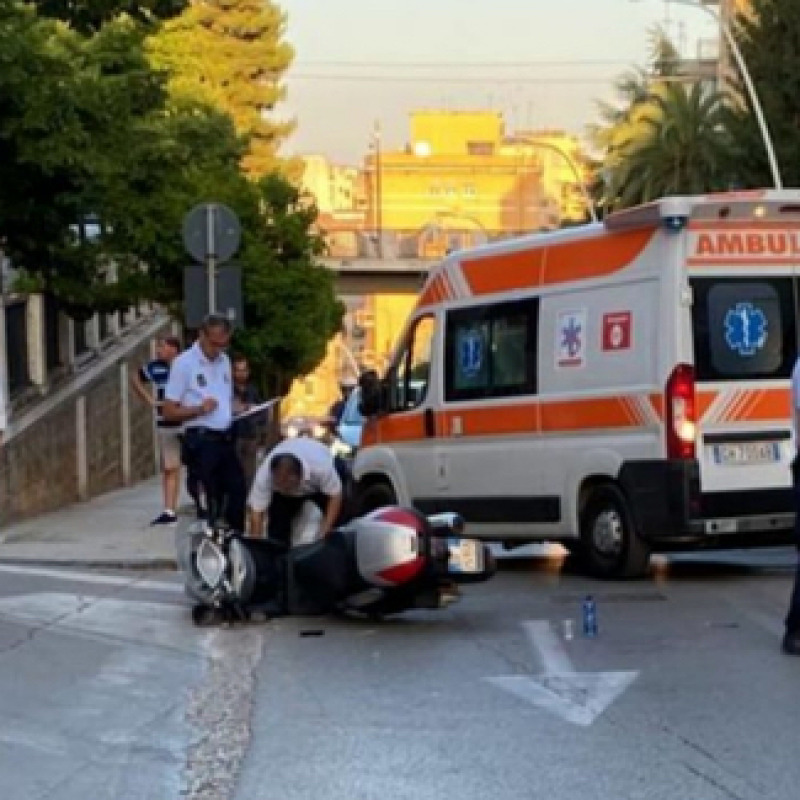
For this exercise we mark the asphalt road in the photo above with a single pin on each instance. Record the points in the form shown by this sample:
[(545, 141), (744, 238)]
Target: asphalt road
[(107, 691)]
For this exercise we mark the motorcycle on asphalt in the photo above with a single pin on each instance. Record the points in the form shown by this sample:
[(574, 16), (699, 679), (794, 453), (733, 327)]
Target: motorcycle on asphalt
[(386, 562)]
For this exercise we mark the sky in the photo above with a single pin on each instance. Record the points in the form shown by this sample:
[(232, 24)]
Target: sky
[(543, 63)]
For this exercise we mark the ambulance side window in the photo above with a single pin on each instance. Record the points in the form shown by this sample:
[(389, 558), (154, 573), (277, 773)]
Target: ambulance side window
[(490, 351), (409, 376)]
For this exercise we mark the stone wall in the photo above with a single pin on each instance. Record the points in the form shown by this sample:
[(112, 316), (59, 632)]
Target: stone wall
[(76, 449)]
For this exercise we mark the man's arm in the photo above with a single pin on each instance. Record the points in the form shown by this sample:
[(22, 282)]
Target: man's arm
[(174, 410), (256, 523), (331, 514), (258, 501), (141, 390)]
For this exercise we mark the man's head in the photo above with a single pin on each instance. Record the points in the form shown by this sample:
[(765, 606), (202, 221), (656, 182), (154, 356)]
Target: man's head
[(215, 335), (241, 370), (286, 472), (167, 347)]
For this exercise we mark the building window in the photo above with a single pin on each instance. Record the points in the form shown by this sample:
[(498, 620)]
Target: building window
[(480, 148), (470, 191)]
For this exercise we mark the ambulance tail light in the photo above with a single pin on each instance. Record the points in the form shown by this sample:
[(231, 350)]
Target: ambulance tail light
[(681, 419)]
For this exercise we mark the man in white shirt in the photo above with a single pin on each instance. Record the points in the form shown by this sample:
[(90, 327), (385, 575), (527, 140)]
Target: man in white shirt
[(791, 640), (199, 395), (296, 471)]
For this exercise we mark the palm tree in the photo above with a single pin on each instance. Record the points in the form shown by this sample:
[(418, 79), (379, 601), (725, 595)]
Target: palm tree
[(684, 151), (655, 117)]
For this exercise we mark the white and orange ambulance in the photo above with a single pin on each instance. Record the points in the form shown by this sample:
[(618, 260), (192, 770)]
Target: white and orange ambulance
[(621, 387)]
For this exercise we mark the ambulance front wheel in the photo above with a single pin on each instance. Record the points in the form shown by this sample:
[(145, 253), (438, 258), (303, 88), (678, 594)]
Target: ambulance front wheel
[(611, 545)]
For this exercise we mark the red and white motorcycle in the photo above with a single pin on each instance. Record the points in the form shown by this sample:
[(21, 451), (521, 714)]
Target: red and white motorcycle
[(389, 561)]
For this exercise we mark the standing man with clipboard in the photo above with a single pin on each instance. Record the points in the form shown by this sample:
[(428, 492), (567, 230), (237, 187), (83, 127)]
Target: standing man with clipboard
[(199, 395)]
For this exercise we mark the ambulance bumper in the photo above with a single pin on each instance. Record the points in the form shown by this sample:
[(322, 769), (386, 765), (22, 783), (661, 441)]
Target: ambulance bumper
[(669, 508)]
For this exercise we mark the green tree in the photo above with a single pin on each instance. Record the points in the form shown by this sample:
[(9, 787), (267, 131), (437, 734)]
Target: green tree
[(769, 40), (685, 148), (68, 108), (88, 16), (626, 124), (231, 54), (291, 309)]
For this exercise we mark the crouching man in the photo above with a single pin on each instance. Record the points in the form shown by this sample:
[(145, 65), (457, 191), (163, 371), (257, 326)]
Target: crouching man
[(295, 472)]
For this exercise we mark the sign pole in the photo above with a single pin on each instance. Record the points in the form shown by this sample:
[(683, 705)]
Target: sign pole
[(211, 259)]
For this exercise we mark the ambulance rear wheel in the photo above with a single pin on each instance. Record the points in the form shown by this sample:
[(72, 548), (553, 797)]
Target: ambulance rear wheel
[(376, 496), (611, 546)]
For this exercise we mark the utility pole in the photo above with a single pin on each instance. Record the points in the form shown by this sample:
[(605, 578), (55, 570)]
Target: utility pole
[(378, 190)]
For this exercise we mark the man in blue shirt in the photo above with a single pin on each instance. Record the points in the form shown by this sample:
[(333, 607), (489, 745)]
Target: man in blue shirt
[(149, 383), (199, 395)]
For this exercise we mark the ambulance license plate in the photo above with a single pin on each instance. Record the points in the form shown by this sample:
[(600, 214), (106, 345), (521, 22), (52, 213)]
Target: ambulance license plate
[(466, 555), (747, 453)]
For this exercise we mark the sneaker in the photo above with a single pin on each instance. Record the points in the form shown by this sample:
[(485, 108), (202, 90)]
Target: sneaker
[(165, 518), (791, 644)]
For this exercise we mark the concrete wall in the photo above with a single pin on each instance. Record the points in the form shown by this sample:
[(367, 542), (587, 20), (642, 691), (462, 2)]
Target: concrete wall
[(90, 437)]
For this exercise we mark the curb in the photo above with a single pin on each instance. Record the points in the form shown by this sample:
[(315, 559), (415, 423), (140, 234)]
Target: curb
[(154, 564)]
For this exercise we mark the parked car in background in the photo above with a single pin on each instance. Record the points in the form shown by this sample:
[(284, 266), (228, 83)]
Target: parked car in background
[(352, 421)]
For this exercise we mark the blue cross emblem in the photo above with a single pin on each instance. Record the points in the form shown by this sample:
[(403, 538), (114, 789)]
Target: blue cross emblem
[(471, 354), (745, 329)]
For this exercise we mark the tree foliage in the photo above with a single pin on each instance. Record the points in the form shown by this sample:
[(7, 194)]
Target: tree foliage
[(664, 136), (88, 16), (769, 40), (231, 55), (291, 310), (99, 165)]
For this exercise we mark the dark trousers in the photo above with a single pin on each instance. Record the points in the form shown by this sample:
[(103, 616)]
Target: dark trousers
[(793, 617), (283, 508), (216, 465)]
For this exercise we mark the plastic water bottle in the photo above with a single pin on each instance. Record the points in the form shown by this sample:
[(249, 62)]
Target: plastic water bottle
[(589, 617)]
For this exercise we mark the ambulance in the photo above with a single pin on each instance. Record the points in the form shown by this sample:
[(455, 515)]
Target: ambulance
[(621, 387)]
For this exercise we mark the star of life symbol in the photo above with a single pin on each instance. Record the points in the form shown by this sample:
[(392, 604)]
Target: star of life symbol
[(571, 338), (745, 329), (471, 355)]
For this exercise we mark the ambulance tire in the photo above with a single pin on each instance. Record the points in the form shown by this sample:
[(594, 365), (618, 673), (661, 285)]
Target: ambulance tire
[(611, 546), (376, 496)]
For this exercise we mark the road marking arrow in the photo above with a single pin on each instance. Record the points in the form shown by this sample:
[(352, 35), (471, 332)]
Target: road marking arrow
[(576, 697)]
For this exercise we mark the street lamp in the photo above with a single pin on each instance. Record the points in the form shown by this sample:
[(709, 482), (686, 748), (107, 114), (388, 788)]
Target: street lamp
[(531, 142), (748, 82)]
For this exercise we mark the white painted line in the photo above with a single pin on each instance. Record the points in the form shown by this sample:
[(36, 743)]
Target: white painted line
[(555, 660), (133, 621), (579, 698), (92, 577)]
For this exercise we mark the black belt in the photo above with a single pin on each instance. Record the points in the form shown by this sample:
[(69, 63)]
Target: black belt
[(208, 434)]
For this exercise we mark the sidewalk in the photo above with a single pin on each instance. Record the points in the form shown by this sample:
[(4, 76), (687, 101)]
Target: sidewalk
[(112, 531)]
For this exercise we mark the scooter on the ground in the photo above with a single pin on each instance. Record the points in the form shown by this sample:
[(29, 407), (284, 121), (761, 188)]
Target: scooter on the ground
[(386, 562)]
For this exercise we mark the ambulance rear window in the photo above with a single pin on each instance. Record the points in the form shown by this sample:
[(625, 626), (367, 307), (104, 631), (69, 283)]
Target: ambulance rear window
[(743, 328)]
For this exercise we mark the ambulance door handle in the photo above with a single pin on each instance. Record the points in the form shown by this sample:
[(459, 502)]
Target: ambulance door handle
[(430, 423)]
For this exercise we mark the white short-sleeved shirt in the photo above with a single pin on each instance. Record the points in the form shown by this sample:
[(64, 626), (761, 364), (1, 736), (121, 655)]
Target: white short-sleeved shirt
[(319, 474), (193, 378)]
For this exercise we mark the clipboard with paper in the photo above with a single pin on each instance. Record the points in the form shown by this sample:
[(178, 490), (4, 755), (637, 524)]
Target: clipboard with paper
[(258, 409)]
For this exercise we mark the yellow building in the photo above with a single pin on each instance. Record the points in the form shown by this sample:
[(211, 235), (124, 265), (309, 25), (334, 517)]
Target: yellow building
[(462, 179)]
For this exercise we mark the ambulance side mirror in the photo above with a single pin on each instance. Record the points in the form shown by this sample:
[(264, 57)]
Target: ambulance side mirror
[(371, 393)]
